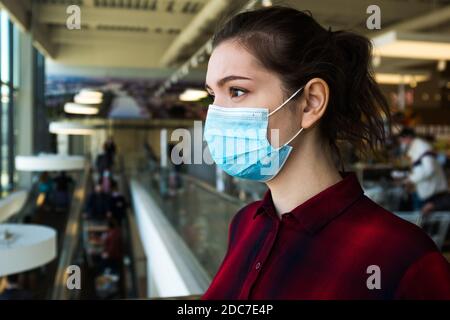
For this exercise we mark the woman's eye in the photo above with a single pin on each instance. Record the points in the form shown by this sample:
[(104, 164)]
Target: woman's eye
[(235, 92)]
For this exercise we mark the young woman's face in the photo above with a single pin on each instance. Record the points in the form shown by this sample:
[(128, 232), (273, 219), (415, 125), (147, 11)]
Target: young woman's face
[(235, 79)]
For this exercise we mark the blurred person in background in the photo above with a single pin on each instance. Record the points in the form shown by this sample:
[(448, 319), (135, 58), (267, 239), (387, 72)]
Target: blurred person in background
[(13, 290), (110, 150), (106, 180), (98, 204), (118, 206), (103, 162), (427, 174), (113, 251), (45, 188), (61, 193)]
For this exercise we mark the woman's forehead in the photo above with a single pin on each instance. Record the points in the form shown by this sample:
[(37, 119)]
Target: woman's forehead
[(229, 58)]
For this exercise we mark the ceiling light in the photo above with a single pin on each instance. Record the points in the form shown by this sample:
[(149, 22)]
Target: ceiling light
[(89, 96), (83, 99), (76, 108), (71, 128), (193, 95), (394, 78), (91, 93), (412, 45)]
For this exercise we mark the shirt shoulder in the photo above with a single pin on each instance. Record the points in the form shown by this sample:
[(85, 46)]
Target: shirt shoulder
[(398, 233), (427, 279), (424, 273)]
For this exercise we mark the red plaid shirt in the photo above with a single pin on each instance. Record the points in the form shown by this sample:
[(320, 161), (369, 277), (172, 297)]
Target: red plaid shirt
[(323, 249)]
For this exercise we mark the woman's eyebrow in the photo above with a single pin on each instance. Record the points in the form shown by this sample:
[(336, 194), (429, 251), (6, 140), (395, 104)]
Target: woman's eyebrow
[(221, 82)]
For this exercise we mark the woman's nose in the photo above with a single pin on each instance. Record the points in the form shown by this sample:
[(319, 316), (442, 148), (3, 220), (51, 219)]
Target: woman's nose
[(218, 101)]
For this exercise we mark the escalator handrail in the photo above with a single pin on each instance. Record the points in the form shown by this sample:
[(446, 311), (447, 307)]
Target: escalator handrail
[(71, 236)]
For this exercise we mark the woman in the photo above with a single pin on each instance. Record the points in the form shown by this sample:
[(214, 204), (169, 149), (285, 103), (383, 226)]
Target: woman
[(276, 75)]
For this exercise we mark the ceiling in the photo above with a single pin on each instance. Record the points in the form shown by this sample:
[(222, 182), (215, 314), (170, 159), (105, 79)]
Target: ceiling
[(116, 33), (159, 34)]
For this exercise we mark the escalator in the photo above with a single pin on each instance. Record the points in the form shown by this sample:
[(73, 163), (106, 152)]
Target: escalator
[(36, 211), (83, 247)]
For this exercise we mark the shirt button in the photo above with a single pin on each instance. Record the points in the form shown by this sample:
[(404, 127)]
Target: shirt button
[(258, 266)]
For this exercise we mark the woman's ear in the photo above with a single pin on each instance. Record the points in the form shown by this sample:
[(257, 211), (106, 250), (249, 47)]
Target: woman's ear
[(315, 96)]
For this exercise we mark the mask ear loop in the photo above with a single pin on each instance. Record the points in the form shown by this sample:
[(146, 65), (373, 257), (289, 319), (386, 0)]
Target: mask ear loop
[(271, 113), (291, 139), (284, 103), (295, 136)]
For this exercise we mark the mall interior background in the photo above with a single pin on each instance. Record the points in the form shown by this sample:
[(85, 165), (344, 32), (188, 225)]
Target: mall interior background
[(148, 60)]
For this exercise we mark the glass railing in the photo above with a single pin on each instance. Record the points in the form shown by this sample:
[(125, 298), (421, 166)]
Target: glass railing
[(199, 213)]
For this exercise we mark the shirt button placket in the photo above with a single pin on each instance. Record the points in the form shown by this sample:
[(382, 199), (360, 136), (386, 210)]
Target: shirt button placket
[(265, 251)]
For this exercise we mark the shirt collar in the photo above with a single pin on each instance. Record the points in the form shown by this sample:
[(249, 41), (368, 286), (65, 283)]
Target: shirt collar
[(319, 210)]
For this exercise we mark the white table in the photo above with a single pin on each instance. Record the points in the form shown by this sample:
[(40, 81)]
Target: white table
[(29, 247)]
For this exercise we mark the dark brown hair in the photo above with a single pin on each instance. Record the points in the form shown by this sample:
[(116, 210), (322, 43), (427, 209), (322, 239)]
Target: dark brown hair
[(294, 46)]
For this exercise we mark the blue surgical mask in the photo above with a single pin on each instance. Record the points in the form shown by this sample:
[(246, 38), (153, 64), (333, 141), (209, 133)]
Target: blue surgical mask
[(237, 141)]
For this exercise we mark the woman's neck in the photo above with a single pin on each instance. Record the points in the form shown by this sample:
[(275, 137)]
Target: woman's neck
[(307, 172)]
